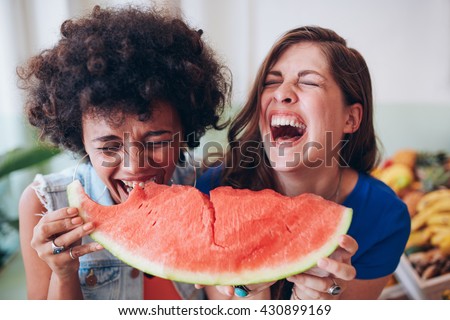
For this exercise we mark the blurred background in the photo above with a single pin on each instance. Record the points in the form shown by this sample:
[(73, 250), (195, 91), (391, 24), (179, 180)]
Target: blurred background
[(406, 44)]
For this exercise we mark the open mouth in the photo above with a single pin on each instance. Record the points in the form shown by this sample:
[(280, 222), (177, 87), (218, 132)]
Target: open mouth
[(126, 186), (286, 128)]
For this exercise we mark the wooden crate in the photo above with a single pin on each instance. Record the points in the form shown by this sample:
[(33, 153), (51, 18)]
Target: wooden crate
[(417, 288), (395, 292)]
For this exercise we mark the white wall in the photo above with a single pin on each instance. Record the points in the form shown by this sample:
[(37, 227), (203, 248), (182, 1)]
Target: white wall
[(406, 44)]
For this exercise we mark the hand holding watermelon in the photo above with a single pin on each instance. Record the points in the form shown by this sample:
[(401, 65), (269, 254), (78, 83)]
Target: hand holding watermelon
[(317, 281), (60, 230), (311, 284)]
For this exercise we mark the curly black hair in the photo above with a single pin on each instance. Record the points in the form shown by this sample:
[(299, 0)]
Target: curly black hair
[(124, 60)]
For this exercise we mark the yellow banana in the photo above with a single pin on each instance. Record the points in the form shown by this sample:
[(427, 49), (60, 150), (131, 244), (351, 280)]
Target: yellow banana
[(439, 218), (439, 237), (418, 238), (431, 197), (440, 205), (420, 219), (444, 245), (437, 228)]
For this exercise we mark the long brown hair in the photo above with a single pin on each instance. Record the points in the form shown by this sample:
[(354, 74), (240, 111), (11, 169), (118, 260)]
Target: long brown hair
[(247, 165)]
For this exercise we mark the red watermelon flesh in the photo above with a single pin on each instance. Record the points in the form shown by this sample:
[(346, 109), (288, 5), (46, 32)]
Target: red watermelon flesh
[(234, 237)]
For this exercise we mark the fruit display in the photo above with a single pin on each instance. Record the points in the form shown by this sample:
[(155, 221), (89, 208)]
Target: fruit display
[(422, 181), (232, 237)]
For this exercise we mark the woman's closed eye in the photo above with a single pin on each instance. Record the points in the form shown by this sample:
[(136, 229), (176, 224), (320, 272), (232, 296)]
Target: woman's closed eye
[(310, 78), (272, 83), (308, 83), (110, 147), (157, 144)]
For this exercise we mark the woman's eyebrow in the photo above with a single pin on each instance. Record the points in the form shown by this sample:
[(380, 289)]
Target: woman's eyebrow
[(274, 73), (308, 72), (112, 137), (156, 133), (106, 138), (300, 74)]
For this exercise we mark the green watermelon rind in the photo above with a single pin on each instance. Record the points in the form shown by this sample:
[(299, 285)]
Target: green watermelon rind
[(249, 276)]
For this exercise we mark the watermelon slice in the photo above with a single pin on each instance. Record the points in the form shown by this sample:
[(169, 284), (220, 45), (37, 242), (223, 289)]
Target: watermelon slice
[(234, 237)]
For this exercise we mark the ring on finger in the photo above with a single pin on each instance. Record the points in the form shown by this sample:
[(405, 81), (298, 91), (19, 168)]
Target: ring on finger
[(71, 253), (57, 249), (334, 289), (241, 291)]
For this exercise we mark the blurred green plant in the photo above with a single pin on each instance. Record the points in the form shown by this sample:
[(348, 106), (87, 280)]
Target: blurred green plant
[(433, 170), (21, 158), (12, 161)]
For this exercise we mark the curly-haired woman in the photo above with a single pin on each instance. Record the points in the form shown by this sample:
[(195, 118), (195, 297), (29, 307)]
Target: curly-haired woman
[(128, 89)]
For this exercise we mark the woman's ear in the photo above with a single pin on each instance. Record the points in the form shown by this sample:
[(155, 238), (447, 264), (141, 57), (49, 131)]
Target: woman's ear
[(354, 118)]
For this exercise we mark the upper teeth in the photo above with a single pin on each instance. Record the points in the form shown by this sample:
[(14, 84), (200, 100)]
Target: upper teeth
[(284, 120), (132, 184)]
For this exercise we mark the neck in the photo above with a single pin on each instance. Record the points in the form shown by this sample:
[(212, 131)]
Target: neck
[(325, 182)]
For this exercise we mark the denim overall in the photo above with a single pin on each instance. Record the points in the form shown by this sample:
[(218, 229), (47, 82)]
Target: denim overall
[(102, 276)]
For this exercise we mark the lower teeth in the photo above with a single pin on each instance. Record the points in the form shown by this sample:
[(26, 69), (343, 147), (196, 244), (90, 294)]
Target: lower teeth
[(129, 189)]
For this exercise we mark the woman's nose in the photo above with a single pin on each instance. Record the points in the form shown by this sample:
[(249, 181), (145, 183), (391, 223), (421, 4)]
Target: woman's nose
[(286, 94), (134, 157)]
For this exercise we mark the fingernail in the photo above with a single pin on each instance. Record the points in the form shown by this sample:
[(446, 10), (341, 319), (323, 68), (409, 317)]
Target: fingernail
[(71, 211), (88, 226), (297, 279), (322, 263), (76, 220)]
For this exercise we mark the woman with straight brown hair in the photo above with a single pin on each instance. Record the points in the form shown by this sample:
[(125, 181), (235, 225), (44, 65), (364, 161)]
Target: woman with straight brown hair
[(307, 127)]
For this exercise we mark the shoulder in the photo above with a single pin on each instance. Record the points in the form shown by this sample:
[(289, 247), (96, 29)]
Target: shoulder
[(381, 226), (29, 202), (56, 180), (185, 174), (210, 179), (373, 194), (374, 202), (50, 189)]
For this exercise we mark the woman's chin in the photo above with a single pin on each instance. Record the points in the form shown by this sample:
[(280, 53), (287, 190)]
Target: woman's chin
[(291, 161)]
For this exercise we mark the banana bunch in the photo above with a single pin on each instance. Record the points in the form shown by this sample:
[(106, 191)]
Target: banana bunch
[(431, 224), (422, 181)]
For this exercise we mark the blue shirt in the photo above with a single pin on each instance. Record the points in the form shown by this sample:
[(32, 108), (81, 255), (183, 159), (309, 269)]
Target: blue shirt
[(380, 223)]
